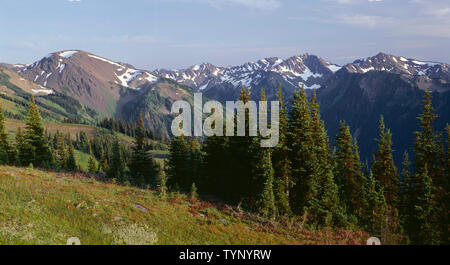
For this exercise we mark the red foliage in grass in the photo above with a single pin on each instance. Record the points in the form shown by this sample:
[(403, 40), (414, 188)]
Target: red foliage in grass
[(174, 200)]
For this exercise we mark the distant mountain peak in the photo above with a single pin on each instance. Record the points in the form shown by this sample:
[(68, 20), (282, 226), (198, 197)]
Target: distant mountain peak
[(87, 77), (399, 65), (307, 69)]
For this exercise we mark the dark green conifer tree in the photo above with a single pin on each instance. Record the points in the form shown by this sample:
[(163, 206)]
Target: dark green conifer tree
[(143, 168), (429, 154), (447, 129), (61, 151), (446, 234), (324, 204), (348, 172), (178, 164), (375, 207), (425, 213), (103, 165), (71, 161), (5, 149), (162, 185), (383, 168), (39, 153), (193, 192), (264, 175), (405, 207), (240, 160), (301, 153), (281, 163), (23, 148), (195, 162), (92, 167), (216, 171), (117, 167)]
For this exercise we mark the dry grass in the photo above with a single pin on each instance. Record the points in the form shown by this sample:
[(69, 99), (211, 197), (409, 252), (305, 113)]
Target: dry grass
[(38, 207), (51, 127)]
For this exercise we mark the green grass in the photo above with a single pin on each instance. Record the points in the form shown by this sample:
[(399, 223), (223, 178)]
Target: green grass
[(83, 159), (38, 207)]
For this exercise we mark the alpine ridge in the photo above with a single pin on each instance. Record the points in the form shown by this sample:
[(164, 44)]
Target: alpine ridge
[(358, 92), (224, 83)]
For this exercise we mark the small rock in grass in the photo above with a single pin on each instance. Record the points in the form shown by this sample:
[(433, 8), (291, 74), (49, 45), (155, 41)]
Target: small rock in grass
[(141, 208), (81, 204)]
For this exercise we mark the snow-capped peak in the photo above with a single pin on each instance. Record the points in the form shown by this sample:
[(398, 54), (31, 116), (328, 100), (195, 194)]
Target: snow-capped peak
[(396, 64), (308, 69)]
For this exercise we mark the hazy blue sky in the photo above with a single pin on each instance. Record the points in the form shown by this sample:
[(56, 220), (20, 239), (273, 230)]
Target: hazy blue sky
[(178, 33)]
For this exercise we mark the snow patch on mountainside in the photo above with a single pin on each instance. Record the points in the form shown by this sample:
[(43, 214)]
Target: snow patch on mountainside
[(334, 68), (43, 90), (308, 73), (107, 61), (67, 54)]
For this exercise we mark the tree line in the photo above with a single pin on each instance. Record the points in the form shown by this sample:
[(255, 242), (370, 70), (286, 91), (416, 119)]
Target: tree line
[(126, 128), (34, 147), (323, 185)]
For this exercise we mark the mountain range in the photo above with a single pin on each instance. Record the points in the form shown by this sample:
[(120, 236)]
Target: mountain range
[(358, 92)]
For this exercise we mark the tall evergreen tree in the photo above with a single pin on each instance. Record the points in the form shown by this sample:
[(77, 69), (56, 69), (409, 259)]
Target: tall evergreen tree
[(264, 177), (117, 167), (71, 161), (383, 168), (92, 167), (23, 148), (281, 162), (429, 155), (359, 176), (162, 185), (216, 171), (5, 149), (427, 146), (103, 165), (385, 173), (240, 157), (447, 129), (143, 168), (178, 164), (347, 171), (61, 151), (446, 195), (324, 204), (195, 161), (375, 207), (300, 144), (39, 153), (406, 187), (425, 213)]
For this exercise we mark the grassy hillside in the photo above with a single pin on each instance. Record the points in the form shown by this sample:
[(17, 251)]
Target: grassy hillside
[(73, 129), (83, 160), (38, 207), (15, 93)]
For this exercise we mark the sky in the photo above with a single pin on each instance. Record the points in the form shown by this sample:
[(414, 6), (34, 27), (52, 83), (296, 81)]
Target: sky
[(176, 34)]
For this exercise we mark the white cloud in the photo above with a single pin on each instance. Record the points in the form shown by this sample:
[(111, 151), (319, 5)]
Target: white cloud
[(259, 4), (364, 20), (252, 4), (73, 1), (348, 2), (133, 39), (355, 20), (438, 12)]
